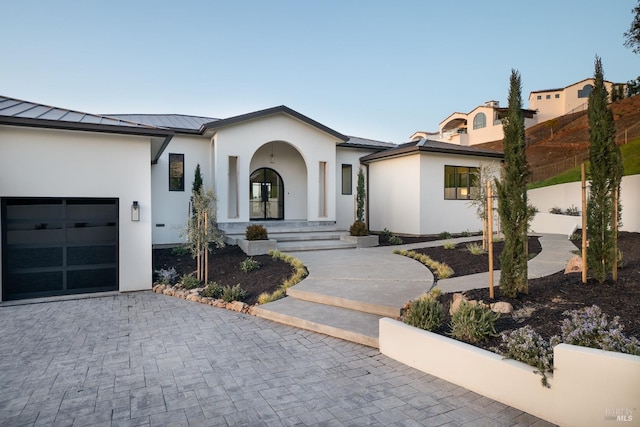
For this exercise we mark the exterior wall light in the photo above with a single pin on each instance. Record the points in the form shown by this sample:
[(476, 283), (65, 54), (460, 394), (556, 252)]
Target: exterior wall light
[(135, 212)]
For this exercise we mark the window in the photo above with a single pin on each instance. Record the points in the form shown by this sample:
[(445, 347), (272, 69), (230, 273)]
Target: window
[(548, 96), (585, 91), (539, 97), (479, 121), (460, 182), (557, 96), (346, 180), (176, 172)]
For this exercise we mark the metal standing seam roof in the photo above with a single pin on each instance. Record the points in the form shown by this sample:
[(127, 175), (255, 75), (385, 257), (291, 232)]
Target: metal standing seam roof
[(177, 122), (427, 145), (358, 142)]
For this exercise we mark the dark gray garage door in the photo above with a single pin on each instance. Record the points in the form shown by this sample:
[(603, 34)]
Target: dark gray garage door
[(58, 246)]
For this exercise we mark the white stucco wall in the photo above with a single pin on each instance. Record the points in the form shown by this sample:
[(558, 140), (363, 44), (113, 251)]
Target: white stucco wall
[(346, 204), (566, 195), (246, 138), (55, 163), (407, 195), (171, 208)]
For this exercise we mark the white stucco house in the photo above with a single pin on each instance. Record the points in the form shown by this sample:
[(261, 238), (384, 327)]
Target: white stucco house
[(84, 197)]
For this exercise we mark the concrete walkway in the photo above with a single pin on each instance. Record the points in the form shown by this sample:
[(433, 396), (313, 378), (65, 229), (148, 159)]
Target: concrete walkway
[(145, 359)]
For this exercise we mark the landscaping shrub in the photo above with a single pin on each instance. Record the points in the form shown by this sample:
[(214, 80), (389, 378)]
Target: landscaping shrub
[(465, 233), (449, 245), (555, 210), (299, 274), (190, 282), (266, 297), (256, 232), (235, 293), (249, 264), (528, 346), (385, 234), (443, 271), (179, 251), (473, 323), (167, 276), (475, 249), (212, 290), (358, 228), (395, 240), (426, 312), (445, 235), (590, 327), (572, 211)]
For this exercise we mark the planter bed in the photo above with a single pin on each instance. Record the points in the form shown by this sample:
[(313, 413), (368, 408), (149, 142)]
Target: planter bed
[(588, 386)]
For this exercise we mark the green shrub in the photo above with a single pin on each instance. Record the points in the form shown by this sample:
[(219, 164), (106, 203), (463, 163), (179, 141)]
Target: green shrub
[(179, 251), (235, 293), (249, 264), (572, 211), (395, 240), (445, 235), (443, 271), (190, 282), (475, 248), (385, 234), (449, 245), (212, 290), (167, 276), (256, 232), (527, 346), (358, 228), (555, 210), (426, 312), (473, 323), (465, 233)]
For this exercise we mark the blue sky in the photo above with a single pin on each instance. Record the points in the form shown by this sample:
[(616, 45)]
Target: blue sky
[(376, 69)]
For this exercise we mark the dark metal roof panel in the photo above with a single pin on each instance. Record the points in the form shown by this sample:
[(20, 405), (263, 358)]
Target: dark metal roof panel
[(358, 142), (179, 122), (425, 145)]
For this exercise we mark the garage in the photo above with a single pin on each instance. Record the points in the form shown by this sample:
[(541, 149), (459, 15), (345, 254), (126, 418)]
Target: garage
[(58, 246)]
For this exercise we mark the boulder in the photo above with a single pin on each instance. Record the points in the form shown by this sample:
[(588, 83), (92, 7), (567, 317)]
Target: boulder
[(574, 265), (455, 304), (501, 307)]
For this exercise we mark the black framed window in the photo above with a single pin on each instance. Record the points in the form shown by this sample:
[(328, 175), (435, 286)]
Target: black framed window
[(347, 180), (480, 121), (460, 182), (176, 172)]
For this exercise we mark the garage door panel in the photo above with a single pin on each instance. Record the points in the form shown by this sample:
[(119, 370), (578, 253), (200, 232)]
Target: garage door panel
[(59, 246)]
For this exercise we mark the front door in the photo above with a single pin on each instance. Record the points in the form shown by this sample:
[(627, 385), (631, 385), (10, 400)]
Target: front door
[(266, 195)]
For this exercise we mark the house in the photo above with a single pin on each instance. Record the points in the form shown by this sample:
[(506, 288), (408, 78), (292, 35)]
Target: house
[(484, 123), (84, 197)]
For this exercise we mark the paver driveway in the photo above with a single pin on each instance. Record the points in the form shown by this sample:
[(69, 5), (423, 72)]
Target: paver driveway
[(148, 359)]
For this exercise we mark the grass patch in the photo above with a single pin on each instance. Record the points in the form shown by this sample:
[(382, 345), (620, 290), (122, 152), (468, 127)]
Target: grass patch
[(630, 160)]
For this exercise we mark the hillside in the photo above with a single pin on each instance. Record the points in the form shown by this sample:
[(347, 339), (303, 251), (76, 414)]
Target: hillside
[(562, 143)]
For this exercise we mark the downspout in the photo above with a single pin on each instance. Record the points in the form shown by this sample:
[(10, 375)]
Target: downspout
[(366, 194)]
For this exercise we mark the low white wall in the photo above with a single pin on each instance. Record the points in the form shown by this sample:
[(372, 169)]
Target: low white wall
[(557, 224), (588, 386), (570, 194)]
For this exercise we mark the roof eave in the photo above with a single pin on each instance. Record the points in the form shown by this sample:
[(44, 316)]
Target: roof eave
[(421, 149)]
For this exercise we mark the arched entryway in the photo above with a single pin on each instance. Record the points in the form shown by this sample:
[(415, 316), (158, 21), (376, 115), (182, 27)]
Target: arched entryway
[(266, 195)]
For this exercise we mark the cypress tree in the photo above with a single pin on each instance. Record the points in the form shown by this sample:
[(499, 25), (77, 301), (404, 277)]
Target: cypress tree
[(605, 174), (197, 180), (515, 213), (360, 196)]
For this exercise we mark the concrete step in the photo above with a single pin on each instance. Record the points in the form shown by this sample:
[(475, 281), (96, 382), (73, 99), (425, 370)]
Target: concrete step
[(313, 245), (337, 322)]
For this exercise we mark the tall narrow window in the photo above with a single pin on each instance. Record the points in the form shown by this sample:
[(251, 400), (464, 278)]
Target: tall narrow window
[(176, 172), (322, 189), (460, 182), (479, 121), (232, 192), (347, 176)]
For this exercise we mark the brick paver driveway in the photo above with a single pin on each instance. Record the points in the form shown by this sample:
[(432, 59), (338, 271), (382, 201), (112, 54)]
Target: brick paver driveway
[(148, 359)]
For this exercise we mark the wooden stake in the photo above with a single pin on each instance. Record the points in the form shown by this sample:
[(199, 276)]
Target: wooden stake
[(206, 249), (490, 236), (583, 174), (615, 235)]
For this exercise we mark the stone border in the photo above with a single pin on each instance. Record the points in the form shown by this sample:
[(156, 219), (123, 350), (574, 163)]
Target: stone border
[(588, 386), (194, 295)]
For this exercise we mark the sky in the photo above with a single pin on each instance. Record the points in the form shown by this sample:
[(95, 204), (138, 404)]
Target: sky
[(373, 69)]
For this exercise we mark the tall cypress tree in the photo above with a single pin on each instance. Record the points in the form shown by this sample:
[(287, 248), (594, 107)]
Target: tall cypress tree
[(606, 174), (515, 213)]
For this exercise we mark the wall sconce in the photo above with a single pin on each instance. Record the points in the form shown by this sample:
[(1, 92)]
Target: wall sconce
[(272, 160), (135, 212)]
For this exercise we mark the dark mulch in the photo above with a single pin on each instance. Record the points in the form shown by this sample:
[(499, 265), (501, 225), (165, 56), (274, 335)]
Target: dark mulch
[(464, 262), (550, 296), (224, 268), (384, 241)]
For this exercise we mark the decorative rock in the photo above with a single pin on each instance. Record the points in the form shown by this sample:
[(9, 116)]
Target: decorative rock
[(168, 291), (457, 300), (502, 307), (193, 297), (574, 265)]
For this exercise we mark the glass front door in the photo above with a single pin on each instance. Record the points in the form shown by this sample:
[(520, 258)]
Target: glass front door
[(266, 194)]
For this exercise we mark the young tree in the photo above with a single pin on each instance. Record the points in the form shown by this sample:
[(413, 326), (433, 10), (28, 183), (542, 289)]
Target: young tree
[(632, 36), (202, 230), (360, 196), (486, 173), (606, 174), (513, 208)]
